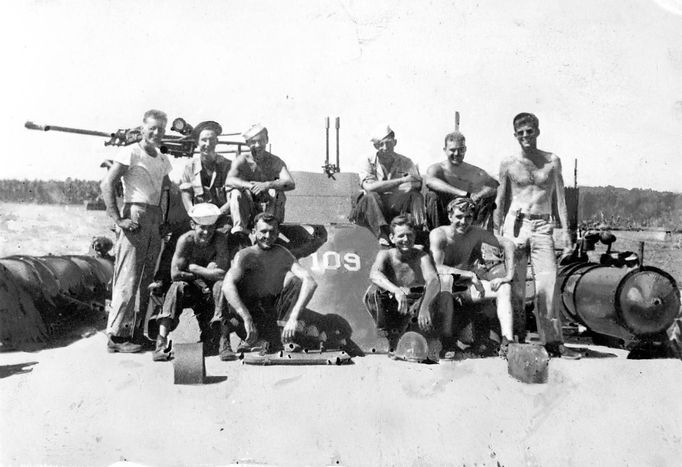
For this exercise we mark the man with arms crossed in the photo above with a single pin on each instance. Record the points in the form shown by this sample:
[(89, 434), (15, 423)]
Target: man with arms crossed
[(456, 250), (143, 171), (404, 285), (264, 285), (452, 178), (257, 181), (529, 180), (198, 267)]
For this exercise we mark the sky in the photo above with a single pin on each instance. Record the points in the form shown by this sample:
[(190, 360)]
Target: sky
[(605, 79)]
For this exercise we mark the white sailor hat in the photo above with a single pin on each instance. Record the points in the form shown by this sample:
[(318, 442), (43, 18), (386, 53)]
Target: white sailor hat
[(255, 130), (204, 213), (381, 132)]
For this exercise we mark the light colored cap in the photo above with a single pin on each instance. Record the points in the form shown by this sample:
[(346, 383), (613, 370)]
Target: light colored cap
[(204, 213), (380, 133), (255, 130)]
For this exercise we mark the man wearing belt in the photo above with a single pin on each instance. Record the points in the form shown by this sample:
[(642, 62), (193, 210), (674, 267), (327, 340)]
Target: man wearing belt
[(143, 171), (453, 177), (257, 181), (391, 186), (203, 180), (529, 180)]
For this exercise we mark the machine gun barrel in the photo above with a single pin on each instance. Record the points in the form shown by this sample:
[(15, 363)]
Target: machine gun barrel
[(78, 131), (173, 145)]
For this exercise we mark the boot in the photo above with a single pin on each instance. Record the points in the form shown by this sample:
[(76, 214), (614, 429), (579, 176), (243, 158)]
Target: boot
[(162, 350), (561, 351), (121, 345), (225, 349), (504, 348)]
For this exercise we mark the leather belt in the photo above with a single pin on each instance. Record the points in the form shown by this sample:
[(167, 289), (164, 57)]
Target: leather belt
[(537, 217)]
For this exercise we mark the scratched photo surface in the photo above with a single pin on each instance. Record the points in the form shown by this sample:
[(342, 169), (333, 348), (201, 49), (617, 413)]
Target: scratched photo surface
[(603, 79)]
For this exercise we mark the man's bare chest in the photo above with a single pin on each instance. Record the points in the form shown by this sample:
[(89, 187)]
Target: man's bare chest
[(526, 172)]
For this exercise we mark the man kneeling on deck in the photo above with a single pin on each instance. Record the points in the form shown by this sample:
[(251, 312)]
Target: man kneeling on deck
[(265, 285), (404, 286), (197, 270), (457, 252)]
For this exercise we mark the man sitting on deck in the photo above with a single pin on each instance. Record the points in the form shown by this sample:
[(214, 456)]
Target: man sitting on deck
[(453, 177), (264, 285), (257, 182), (199, 264), (404, 286), (203, 179), (391, 186), (457, 252)]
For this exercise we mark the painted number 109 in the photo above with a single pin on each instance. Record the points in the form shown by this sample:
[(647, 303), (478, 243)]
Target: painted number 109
[(331, 260)]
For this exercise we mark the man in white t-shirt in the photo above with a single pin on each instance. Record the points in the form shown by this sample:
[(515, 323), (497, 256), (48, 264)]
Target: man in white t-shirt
[(143, 171)]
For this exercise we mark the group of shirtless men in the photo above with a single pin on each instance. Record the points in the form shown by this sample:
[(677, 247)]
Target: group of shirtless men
[(239, 205)]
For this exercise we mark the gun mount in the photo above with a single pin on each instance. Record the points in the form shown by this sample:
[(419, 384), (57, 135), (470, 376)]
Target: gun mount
[(182, 145)]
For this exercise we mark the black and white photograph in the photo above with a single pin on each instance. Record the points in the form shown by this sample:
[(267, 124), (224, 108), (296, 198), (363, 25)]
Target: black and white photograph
[(341, 233)]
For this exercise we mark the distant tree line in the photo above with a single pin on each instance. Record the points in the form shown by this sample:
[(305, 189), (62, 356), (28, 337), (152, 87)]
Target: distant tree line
[(69, 191), (630, 209), (615, 207)]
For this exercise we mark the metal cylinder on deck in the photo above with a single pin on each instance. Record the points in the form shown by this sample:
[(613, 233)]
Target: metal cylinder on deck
[(618, 302)]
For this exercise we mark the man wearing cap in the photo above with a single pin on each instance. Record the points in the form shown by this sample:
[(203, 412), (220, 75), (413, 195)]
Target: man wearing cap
[(529, 181), (257, 181), (453, 177), (199, 264), (404, 286), (457, 250), (143, 171), (391, 186), (203, 180), (265, 285)]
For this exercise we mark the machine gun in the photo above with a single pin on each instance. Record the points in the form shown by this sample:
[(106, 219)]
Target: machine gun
[(183, 145)]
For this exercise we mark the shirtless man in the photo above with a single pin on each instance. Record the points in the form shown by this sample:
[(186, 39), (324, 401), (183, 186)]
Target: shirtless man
[(257, 181), (529, 180), (453, 177), (456, 250), (391, 186), (264, 285), (197, 270), (203, 180), (404, 285)]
